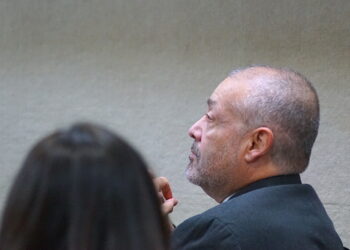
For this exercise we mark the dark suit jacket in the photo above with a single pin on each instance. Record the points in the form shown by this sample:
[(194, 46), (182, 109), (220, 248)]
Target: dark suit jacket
[(277, 213)]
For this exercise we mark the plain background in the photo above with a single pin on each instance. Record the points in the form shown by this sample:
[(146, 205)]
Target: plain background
[(146, 68)]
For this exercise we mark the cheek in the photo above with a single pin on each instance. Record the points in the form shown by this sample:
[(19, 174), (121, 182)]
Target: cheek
[(218, 137), (212, 146), (211, 134)]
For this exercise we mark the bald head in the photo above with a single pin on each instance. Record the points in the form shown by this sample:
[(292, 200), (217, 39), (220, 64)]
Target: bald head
[(285, 102)]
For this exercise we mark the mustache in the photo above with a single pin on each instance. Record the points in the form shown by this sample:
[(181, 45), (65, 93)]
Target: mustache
[(194, 149)]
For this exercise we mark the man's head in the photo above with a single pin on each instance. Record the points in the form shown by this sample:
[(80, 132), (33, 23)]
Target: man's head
[(261, 122)]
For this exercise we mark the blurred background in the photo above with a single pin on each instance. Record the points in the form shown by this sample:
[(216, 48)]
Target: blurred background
[(146, 68)]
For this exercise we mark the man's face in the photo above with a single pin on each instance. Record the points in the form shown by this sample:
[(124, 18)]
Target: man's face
[(214, 157)]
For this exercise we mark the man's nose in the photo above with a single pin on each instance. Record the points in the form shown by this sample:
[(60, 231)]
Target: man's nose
[(195, 130)]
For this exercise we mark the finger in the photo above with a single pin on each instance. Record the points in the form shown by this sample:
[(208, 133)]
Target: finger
[(167, 193), (161, 197), (168, 205), (162, 184)]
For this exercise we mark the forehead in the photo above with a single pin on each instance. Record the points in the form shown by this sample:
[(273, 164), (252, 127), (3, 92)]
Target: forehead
[(230, 90)]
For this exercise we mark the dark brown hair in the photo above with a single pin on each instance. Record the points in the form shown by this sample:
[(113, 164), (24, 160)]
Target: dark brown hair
[(83, 188)]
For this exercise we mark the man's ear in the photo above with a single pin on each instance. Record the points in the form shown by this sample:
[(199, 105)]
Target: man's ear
[(260, 142)]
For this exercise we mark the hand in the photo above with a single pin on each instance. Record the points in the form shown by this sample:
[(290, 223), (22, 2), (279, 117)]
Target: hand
[(165, 194)]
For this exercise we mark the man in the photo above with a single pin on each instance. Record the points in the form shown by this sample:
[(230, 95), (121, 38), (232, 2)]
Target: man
[(248, 151)]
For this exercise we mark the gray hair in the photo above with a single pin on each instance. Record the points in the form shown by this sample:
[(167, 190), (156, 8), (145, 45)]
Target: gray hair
[(287, 103)]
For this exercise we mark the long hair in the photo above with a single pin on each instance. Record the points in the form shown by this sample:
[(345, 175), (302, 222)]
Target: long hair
[(83, 189)]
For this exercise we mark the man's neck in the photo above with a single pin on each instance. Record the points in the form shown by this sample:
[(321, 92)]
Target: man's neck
[(220, 193)]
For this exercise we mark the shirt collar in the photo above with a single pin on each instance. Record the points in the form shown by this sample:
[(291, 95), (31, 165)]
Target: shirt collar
[(228, 197)]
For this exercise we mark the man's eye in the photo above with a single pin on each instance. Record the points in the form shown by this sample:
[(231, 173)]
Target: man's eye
[(208, 117)]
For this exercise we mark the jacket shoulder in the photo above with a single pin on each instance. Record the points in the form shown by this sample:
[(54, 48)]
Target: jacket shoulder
[(203, 232)]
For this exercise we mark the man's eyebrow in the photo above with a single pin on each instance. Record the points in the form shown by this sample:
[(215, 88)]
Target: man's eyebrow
[(211, 102)]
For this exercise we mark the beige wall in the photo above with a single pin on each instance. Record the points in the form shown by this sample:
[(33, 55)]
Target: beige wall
[(145, 69)]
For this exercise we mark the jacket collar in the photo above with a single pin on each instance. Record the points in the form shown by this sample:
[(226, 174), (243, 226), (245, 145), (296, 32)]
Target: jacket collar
[(267, 182)]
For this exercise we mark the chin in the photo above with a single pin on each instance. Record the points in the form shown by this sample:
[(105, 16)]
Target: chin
[(190, 175), (193, 177)]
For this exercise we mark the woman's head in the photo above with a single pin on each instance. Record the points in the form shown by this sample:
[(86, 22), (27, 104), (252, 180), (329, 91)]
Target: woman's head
[(83, 188)]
